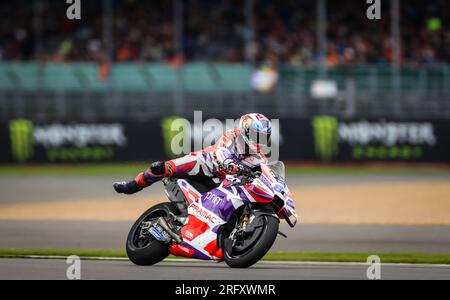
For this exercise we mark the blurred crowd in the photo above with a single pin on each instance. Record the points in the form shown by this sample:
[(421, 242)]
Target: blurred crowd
[(284, 32)]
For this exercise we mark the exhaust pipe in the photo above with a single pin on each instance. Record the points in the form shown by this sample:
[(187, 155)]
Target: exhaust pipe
[(162, 222)]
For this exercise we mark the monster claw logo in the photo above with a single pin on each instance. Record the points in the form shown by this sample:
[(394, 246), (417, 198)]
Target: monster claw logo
[(22, 142), (325, 136), (169, 134)]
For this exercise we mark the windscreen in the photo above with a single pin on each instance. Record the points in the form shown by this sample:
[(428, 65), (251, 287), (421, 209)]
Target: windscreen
[(279, 169)]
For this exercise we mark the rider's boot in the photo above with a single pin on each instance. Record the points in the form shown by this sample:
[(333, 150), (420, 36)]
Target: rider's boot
[(154, 173)]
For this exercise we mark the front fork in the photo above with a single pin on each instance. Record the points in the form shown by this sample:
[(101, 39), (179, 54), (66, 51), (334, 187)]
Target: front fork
[(245, 226)]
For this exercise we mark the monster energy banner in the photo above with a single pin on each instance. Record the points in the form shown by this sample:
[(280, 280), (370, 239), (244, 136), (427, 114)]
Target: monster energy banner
[(363, 140), (23, 141), (322, 138)]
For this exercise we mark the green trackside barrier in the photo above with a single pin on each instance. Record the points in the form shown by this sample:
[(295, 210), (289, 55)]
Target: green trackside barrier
[(372, 78), (87, 74), (6, 80), (230, 78), (129, 78), (25, 77), (124, 77), (204, 78), (61, 78), (160, 77)]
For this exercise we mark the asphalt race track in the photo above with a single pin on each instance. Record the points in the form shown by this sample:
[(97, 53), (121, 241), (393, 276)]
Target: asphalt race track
[(56, 269), (303, 238), (94, 234), (51, 188)]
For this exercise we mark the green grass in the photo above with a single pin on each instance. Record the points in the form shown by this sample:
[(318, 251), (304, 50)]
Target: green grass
[(63, 252), (131, 169), (125, 169), (412, 258)]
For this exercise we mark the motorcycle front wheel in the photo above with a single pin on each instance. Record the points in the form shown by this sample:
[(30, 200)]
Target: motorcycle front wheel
[(249, 251), (146, 250)]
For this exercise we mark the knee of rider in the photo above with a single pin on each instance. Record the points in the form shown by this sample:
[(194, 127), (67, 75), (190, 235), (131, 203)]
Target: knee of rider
[(158, 168)]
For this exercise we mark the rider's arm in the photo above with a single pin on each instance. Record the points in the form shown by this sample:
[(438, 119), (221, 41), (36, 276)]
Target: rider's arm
[(226, 162), (224, 156)]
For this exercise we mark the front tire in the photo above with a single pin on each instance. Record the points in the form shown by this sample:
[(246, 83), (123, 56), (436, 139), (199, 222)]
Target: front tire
[(259, 249), (148, 252)]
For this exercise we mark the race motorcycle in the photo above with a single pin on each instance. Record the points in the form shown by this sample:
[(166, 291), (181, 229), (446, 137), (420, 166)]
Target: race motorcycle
[(238, 221)]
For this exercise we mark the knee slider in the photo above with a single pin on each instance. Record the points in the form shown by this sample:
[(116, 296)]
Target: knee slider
[(158, 168)]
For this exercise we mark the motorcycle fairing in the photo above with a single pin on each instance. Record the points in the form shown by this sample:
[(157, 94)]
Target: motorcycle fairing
[(190, 193), (206, 213), (264, 188)]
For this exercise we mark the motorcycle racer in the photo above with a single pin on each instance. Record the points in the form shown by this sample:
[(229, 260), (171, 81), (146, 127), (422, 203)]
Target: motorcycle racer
[(238, 149)]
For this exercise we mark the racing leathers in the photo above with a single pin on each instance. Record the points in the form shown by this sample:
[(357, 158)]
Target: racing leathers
[(227, 156)]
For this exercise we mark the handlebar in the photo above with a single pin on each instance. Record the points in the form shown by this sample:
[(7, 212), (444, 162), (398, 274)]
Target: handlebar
[(249, 172)]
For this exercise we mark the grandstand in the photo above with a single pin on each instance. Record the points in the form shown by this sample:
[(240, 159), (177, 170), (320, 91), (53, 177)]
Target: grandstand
[(140, 59)]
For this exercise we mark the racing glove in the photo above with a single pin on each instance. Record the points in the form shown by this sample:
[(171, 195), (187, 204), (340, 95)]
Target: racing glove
[(127, 188), (232, 167)]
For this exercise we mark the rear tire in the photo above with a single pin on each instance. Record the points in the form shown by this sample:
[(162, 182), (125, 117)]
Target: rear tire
[(259, 249), (155, 251)]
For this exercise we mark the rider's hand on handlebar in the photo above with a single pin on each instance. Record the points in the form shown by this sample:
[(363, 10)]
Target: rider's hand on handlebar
[(249, 172), (245, 172), (233, 167)]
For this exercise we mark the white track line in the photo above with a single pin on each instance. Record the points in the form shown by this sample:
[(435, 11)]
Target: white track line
[(188, 260)]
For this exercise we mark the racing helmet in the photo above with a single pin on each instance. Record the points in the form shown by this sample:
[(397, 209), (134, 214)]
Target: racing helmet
[(254, 133)]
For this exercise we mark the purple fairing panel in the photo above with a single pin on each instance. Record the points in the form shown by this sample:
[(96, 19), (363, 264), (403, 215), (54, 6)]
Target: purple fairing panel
[(186, 185), (243, 194), (288, 212), (266, 181), (264, 195), (218, 203), (290, 203), (290, 218)]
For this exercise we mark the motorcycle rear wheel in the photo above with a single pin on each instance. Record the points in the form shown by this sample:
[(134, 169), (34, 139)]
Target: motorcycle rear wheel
[(151, 251)]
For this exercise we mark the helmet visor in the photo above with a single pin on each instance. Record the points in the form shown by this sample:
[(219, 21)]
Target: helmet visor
[(259, 138)]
